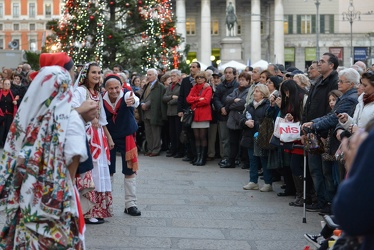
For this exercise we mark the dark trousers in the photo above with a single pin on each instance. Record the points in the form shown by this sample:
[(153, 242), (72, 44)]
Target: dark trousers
[(4, 128), (119, 146), (234, 142), (175, 128)]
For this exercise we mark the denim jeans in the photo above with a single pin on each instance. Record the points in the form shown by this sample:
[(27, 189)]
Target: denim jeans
[(316, 171), (254, 161), (330, 180)]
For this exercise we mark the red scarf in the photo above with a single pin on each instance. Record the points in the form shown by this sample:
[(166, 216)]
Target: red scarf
[(95, 146), (5, 93), (368, 98), (131, 149)]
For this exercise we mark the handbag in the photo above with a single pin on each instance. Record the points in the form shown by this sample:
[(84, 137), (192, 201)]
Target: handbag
[(276, 142), (265, 133), (313, 143), (187, 119), (289, 131)]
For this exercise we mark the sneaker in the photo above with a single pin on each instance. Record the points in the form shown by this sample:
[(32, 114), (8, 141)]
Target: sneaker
[(316, 240), (266, 188), (251, 186)]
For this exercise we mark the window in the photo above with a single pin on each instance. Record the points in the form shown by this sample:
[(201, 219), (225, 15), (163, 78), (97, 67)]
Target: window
[(306, 24), (1, 10), (16, 26), (48, 10), (239, 23), (15, 9), (327, 24), (288, 24), (32, 26), (1, 26), (1, 43), (190, 26), (31, 9), (32, 44), (214, 27)]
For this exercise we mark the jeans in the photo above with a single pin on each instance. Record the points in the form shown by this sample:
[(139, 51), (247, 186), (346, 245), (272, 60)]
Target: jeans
[(330, 180), (254, 161), (316, 171)]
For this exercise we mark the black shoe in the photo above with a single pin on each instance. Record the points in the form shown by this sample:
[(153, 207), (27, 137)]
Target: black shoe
[(313, 208), (223, 162), (227, 165), (170, 154), (187, 158), (178, 155), (326, 210), (134, 211), (283, 186), (316, 240), (282, 194), (237, 163), (275, 179), (89, 221)]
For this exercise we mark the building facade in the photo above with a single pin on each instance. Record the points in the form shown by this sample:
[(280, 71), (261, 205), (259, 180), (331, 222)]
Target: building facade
[(278, 31)]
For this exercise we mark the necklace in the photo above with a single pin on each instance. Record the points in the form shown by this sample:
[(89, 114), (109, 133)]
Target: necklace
[(94, 94)]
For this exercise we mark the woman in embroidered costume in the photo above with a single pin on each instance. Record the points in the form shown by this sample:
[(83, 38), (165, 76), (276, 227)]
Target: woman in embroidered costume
[(38, 165), (99, 201)]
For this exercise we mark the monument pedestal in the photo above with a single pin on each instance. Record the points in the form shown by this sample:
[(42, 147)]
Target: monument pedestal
[(231, 49)]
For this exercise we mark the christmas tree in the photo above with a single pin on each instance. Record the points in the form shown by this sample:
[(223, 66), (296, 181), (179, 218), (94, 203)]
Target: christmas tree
[(137, 34)]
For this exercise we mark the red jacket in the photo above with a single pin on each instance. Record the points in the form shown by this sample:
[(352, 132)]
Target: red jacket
[(203, 111)]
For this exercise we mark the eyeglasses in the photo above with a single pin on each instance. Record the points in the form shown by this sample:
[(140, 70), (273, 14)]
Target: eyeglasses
[(200, 77), (341, 81)]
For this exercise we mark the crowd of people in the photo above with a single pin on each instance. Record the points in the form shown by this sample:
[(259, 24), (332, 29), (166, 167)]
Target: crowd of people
[(232, 115)]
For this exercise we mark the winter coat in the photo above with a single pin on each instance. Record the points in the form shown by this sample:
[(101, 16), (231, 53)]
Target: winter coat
[(185, 89), (258, 116), (236, 108), (202, 109), (361, 117), (172, 104), (156, 108), (317, 104), (219, 98)]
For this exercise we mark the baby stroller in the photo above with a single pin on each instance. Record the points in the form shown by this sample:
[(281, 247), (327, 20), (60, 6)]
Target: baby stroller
[(141, 142)]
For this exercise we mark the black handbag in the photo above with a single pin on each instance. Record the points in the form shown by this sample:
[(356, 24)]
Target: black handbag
[(188, 115)]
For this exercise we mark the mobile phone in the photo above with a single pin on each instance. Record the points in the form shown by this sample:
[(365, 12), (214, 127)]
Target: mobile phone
[(336, 112)]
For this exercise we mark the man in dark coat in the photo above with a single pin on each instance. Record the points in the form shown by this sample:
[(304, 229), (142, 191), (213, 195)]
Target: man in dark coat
[(317, 105)]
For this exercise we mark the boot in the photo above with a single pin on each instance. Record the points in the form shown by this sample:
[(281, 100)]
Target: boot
[(130, 197), (299, 201), (198, 156), (202, 161)]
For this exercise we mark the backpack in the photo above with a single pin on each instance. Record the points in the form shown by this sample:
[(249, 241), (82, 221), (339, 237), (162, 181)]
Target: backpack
[(265, 132)]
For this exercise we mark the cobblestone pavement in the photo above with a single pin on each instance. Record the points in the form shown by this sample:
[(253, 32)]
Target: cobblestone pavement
[(199, 207)]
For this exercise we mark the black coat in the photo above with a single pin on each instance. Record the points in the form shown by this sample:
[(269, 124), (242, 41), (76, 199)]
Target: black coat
[(258, 116), (219, 97), (185, 89), (317, 104)]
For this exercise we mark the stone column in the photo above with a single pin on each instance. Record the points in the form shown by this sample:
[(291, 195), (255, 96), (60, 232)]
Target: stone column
[(255, 31), (181, 21), (205, 36), (235, 29), (278, 32)]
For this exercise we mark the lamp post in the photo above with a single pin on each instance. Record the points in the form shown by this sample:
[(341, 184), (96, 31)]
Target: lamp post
[(317, 3), (351, 15)]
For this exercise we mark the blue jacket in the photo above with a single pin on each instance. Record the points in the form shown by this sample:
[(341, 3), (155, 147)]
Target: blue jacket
[(345, 104), (353, 205)]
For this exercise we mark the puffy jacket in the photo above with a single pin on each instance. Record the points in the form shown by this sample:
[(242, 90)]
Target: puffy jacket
[(202, 109)]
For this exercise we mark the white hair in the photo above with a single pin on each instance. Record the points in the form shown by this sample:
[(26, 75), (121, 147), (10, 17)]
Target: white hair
[(351, 74), (153, 70)]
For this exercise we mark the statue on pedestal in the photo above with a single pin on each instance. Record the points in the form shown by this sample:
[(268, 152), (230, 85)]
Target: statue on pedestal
[(231, 18)]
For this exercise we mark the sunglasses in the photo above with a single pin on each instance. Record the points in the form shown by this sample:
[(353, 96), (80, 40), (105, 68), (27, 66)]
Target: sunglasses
[(200, 77)]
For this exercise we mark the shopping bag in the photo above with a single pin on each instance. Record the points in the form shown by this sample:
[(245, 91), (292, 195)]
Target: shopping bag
[(278, 121), (289, 131)]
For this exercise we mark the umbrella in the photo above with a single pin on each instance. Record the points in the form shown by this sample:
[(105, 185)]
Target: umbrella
[(234, 64), (262, 64)]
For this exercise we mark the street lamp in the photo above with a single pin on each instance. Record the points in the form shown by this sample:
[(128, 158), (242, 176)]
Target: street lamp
[(351, 15), (317, 3)]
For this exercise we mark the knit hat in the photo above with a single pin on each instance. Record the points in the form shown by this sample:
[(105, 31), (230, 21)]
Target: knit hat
[(276, 80), (112, 76)]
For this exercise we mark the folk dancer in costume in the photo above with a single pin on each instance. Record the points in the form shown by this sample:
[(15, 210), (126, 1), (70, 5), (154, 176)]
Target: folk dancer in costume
[(97, 203), (38, 166), (119, 107)]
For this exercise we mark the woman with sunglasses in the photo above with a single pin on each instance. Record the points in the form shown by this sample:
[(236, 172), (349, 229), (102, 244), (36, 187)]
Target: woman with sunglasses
[(199, 99)]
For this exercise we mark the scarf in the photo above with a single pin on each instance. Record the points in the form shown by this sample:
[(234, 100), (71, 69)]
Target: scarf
[(131, 148), (5, 93), (368, 98), (256, 104), (41, 187)]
